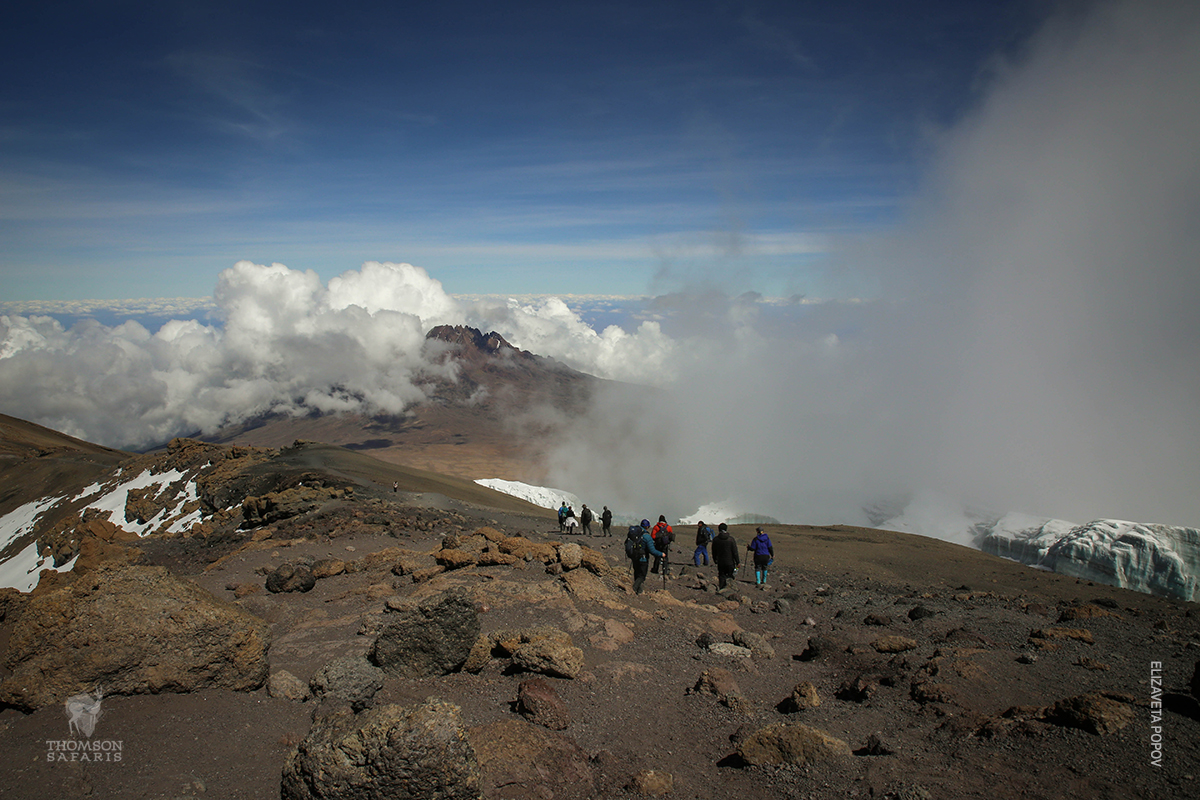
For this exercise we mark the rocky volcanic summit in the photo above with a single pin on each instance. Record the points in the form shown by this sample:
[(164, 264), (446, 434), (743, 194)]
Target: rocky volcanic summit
[(309, 622)]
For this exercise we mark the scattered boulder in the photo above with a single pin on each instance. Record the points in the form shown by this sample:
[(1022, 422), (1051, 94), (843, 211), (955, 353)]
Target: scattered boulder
[(1086, 611), (434, 638), (349, 678), (755, 643), (285, 685), (540, 704), (1093, 713), (456, 559), (291, 578), (551, 655), (651, 783), (520, 761), (820, 648), (570, 555), (135, 630), (803, 696), (857, 690), (1076, 634), (894, 644), (790, 743), (920, 612), (875, 746), (730, 650), (882, 620), (720, 683), (328, 567), (391, 751)]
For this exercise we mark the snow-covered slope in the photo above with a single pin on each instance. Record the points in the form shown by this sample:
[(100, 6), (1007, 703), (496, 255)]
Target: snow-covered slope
[(1156, 559), (538, 495)]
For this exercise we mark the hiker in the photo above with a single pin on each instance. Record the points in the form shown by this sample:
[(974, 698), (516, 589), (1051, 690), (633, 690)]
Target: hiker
[(562, 516), (725, 556), (764, 554), (569, 521), (585, 520), (639, 545), (606, 522), (704, 535), (663, 536), (395, 486)]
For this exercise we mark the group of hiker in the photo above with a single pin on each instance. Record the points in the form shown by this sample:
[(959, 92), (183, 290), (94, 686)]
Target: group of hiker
[(644, 541), (568, 522)]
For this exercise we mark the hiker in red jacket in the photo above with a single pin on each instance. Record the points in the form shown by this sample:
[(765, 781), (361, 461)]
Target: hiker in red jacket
[(663, 536)]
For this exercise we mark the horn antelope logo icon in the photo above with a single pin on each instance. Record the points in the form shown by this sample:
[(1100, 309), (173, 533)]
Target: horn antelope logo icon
[(84, 711)]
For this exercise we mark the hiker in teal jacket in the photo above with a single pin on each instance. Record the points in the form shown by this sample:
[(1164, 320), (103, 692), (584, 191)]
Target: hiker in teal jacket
[(639, 546)]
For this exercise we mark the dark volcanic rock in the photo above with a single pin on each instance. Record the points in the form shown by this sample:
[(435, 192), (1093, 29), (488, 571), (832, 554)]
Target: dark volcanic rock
[(432, 639), (388, 752), (291, 578), (133, 630)]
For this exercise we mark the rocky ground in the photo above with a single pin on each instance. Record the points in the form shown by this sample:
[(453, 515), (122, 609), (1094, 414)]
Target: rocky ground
[(897, 666)]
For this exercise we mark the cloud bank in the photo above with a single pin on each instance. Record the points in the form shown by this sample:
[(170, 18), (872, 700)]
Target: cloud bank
[(287, 344), (1040, 350)]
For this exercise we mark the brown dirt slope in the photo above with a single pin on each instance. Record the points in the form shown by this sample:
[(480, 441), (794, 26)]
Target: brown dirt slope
[(36, 461)]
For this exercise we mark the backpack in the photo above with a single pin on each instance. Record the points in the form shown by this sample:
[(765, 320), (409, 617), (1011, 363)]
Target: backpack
[(635, 548), (704, 536)]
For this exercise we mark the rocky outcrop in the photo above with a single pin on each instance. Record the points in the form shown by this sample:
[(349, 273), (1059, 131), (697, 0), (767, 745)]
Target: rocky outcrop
[(429, 639), (391, 752), (136, 630)]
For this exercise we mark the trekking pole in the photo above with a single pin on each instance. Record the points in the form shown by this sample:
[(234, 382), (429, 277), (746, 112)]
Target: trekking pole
[(664, 568)]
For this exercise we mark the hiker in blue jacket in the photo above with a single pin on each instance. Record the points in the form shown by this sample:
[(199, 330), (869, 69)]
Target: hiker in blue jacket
[(639, 546), (704, 535), (764, 554)]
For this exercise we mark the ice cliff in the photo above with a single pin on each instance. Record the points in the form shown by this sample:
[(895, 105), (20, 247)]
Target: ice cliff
[(1156, 559)]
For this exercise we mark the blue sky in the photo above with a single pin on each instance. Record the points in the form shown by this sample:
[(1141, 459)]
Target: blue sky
[(612, 148)]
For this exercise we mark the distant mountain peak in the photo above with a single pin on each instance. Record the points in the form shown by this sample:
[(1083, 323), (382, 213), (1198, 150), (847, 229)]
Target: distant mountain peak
[(490, 343)]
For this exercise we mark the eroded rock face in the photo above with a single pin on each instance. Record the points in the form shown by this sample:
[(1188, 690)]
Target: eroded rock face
[(434, 638), (136, 630), (392, 751)]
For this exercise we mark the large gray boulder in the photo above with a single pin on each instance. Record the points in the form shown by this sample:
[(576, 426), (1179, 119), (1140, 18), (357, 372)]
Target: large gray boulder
[(391, 752), (433, 638), (131, 630)]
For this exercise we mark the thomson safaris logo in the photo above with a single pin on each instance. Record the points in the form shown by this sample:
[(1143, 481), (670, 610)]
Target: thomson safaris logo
[(83, 713)]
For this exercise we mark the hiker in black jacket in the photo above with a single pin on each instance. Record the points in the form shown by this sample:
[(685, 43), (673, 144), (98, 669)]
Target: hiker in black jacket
[(606, 522), (725, 555)]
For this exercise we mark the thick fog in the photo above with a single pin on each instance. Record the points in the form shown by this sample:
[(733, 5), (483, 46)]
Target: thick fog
[(1038, 346), (1033, 346)]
